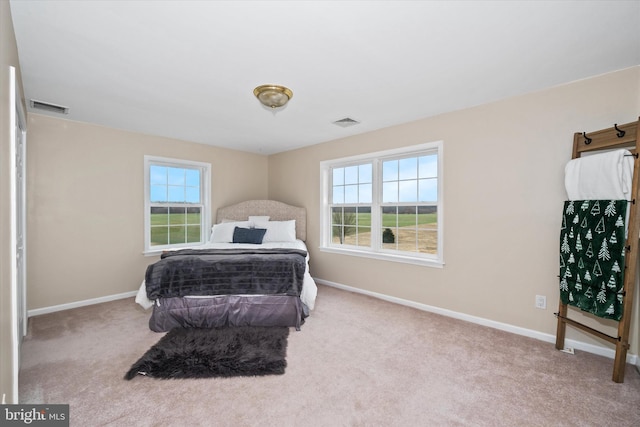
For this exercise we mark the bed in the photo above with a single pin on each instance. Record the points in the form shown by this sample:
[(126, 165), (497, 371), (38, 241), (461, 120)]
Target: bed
[(260, 280)]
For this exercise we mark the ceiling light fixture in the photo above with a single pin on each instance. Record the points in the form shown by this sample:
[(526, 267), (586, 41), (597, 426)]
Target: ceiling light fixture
[(273, 96)]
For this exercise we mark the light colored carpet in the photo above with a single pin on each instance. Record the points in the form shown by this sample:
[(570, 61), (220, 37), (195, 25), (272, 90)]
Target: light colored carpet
[(357, 361)]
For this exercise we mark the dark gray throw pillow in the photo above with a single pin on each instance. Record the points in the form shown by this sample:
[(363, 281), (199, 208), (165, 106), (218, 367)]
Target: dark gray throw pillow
[(248, 235)]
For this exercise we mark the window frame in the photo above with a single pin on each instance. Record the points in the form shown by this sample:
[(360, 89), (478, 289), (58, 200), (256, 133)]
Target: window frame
[(205, 202), (376, 251)]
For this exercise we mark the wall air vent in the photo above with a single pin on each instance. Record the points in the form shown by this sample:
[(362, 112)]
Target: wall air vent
[(47, 106), (346, 122)]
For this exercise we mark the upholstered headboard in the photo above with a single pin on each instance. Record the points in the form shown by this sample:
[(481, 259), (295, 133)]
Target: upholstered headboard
[(277, 211)]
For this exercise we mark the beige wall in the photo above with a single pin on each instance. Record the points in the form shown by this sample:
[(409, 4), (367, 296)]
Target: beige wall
[(503, 195), (8, 57), (85, 204)]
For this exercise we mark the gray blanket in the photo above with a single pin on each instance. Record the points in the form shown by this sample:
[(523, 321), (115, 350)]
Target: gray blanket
[(226, 272)]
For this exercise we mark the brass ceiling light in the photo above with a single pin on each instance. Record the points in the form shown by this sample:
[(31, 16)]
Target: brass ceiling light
[(273, 96)]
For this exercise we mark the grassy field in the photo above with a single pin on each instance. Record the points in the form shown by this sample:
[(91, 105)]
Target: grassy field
[(404, 220), (174, 219), (174, 228), (412, 232), (389, 220)]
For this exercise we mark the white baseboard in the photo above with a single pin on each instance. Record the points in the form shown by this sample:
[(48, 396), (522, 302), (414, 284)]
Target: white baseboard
[(578, 345), (60, 307)]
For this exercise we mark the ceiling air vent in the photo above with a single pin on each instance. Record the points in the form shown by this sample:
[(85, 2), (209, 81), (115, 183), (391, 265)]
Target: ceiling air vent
[(49, 107), (346, 122)]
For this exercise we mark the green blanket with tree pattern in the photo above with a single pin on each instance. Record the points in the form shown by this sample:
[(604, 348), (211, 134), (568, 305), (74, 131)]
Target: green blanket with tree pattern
[(592, 256)]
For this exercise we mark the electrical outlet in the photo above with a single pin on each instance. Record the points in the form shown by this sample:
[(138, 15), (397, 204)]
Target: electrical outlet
[(541, 301)]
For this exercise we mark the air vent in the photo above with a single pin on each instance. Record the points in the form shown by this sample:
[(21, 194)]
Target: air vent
[(49, 107), (346, 122)]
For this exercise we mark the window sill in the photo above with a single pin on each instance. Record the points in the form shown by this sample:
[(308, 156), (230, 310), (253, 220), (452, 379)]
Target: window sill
[(152, 253), (158, 252), (386, 257)]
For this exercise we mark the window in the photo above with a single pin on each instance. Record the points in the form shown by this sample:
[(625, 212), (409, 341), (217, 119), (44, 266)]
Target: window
[(385, 205), (351, 195), (177, 208)]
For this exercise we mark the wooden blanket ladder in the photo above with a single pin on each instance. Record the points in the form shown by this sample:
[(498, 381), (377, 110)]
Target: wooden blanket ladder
[(623, 136)]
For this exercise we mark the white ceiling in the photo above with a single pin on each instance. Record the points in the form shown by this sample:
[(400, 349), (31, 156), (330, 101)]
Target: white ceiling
[(187, 69)]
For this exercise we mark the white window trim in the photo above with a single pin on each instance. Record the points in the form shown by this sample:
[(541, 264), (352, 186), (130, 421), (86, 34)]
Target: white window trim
[(396, 256), (205, 226)]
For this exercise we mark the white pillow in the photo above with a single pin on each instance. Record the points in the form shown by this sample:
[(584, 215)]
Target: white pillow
[(279, 231), (259, 219), (223, 232)]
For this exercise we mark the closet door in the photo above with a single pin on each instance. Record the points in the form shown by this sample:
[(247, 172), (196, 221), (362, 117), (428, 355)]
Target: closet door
[(21, 222), (18, 227)]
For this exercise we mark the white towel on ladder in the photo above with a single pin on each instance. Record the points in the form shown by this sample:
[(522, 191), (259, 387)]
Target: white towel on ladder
[(603, 176)]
